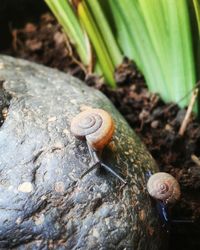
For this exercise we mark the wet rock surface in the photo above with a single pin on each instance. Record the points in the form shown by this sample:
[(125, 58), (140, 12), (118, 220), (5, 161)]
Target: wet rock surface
[(4, 102), (43, 202)]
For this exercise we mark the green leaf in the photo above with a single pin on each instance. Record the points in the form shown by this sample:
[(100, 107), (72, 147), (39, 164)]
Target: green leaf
[(106, 32), (197, 10), (97, 42), (181, 60), (159, 39), (70, 23)]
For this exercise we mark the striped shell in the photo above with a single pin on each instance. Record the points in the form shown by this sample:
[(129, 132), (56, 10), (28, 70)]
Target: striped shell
[(96, 125), (163, 186)]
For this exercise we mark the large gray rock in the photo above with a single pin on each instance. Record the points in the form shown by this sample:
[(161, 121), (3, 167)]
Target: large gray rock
[(43, 202)]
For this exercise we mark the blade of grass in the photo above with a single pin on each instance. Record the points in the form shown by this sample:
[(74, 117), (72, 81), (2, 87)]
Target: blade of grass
[(162, 42), (106, 32), (97, 42), (68, 20), (195, 24), (197, 11), (181, 54), (121, 32), (178, 30), (141, 42), (157, 32)]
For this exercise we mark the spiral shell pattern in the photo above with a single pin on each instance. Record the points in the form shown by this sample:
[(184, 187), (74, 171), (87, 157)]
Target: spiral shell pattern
[(96, 125), (163, 186)]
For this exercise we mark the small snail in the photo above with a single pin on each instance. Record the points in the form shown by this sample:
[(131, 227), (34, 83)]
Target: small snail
[(95, 125), (164, 187)]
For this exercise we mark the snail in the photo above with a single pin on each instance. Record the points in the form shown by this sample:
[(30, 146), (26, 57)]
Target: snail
[(166, 190), (164, 187), (96, 126)]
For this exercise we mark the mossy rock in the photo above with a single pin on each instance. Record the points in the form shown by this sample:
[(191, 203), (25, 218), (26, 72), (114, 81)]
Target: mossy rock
[(44, 204)]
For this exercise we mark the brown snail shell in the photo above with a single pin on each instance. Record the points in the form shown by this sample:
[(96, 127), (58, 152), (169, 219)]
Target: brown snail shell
[(96, 125), (163, 186)]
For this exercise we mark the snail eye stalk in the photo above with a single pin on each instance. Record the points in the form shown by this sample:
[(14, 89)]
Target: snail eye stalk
[(97, 163)]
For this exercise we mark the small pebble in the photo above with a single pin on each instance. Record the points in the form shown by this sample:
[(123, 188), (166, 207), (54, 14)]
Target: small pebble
[(5, 113), (52, 119), (168, 127), (143, 114), (1, 65), (25, 187), (39, 219), (59, 187), (155, 124)]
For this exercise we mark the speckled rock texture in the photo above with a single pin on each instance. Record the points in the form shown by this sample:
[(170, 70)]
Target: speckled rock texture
[(43, 202)]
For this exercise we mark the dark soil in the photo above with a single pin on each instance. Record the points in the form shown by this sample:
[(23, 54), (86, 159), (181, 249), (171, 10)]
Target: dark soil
[(155, 122)]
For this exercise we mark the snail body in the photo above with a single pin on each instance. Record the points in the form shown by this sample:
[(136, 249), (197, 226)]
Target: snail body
[(164, 187), (95, 125)]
